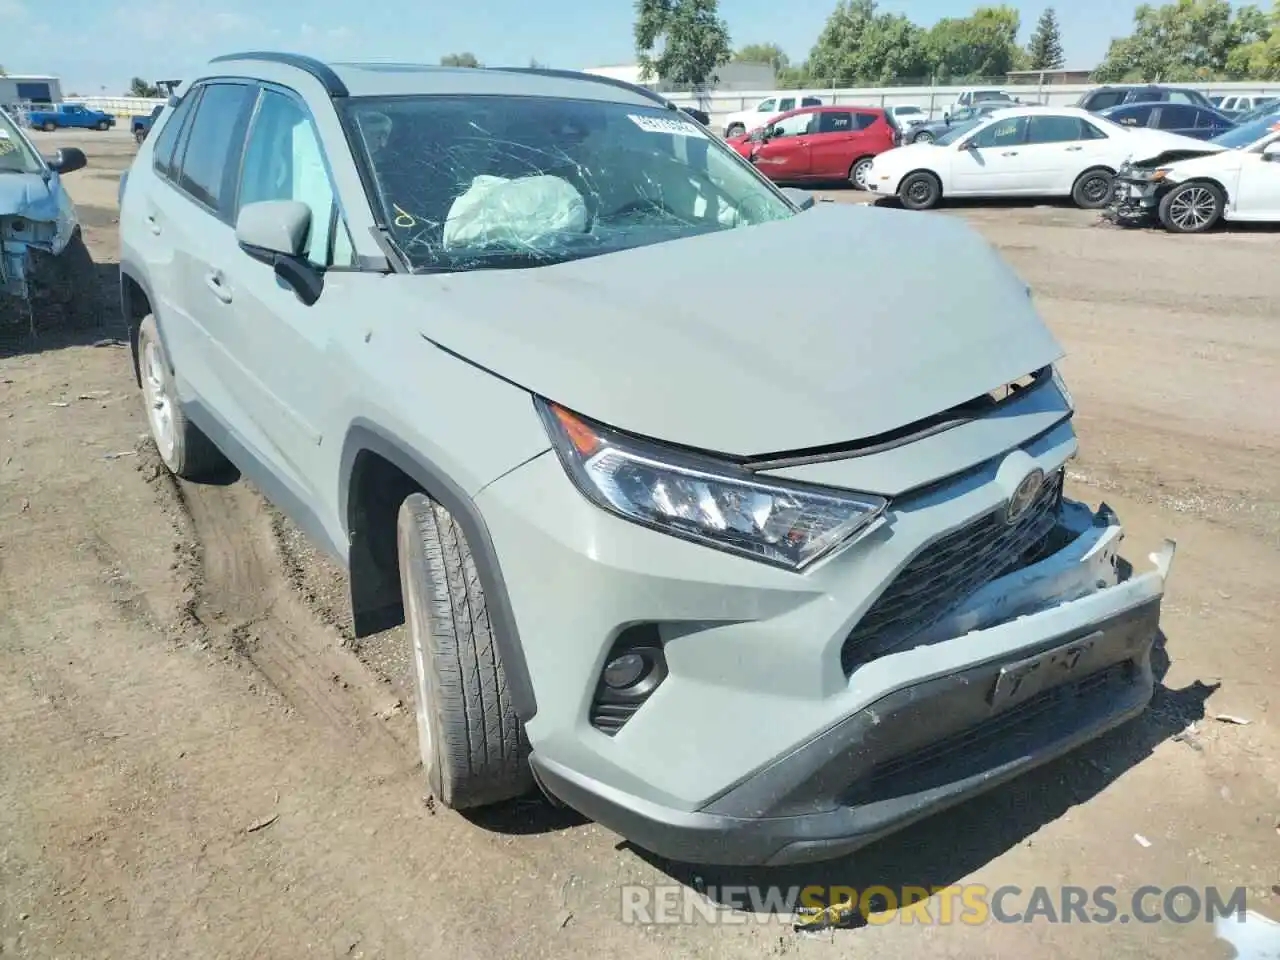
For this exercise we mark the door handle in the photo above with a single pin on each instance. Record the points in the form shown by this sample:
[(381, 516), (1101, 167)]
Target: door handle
[(153, 225), (1009, 153), (220, 290), (1074, 149)]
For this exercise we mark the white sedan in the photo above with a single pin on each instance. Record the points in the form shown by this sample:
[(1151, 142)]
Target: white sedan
[(1020, 152)]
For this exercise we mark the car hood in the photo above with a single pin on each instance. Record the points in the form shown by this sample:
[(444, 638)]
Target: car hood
[(27, 195), (1153, 148), (691, 342)]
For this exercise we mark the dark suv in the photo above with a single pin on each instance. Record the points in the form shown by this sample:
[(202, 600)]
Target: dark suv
[(1101, 98)]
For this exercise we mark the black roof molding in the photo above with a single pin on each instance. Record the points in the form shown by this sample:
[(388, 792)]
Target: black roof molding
[(592, 78), (331, 82)]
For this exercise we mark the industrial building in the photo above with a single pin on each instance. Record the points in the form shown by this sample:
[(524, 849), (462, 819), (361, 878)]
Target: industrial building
[(33, 89)]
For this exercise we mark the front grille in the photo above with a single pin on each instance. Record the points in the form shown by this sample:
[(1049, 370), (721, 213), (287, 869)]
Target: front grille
[(1005, 736), (949, 570)]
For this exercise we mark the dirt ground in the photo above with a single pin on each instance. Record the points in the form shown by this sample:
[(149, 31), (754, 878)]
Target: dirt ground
[(195, 761)]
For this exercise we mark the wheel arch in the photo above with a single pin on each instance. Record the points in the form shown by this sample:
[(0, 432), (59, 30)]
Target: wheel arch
[(378, 472), (136, 301), (1204, 178), (928, 173)]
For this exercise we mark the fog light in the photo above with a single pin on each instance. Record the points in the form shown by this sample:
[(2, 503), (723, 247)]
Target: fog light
[(625, 671)]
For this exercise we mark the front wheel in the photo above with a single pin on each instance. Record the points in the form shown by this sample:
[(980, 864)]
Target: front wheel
[(1192, 207), (735, 130), (48, 126), (474, 750), (1092, 190), (103, 125), (924, 136), (920, 191), (859, 172)]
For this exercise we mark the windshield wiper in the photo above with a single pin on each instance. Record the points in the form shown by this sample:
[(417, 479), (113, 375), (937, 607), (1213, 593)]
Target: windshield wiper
[(506, 260)]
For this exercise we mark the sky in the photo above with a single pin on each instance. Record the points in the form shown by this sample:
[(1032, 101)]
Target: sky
[(96, 46)]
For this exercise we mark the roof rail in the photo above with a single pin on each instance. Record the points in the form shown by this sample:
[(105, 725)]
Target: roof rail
[(592, 78), (331, 82)]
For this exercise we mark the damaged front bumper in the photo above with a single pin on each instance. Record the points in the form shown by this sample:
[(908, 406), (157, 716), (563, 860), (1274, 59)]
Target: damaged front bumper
[(1030, 667), (26, 246), (1135, 195)]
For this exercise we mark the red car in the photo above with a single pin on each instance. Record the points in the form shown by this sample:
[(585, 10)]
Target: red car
[(820, 144)]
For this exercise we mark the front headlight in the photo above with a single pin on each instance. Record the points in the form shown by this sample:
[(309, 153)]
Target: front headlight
[(705, 500), (1061, 384)]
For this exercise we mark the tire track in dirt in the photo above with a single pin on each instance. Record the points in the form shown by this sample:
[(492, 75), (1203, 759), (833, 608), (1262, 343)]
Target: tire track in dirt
[(241, 601)]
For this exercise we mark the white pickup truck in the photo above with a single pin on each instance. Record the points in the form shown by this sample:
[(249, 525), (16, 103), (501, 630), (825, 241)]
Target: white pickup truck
[(766, 111)]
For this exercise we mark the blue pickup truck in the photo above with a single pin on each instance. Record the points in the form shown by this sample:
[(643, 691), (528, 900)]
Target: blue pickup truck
[(141, 123), (70, 115)]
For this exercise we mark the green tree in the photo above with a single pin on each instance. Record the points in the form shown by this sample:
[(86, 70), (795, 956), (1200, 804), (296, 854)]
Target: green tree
[(859, 45), (680, 41), (141, 88), (769, 53), (1045, 50), (1190, 40), (982, 45), (459, 60)]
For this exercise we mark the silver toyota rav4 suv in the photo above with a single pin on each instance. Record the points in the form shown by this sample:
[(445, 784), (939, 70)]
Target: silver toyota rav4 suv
[(745, 583)]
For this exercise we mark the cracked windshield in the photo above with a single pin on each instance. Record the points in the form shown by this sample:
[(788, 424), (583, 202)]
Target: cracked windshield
[(15, 155), (470, 183)]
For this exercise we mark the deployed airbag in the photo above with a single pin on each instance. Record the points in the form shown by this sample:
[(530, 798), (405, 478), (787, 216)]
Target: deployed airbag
[(514, 213)]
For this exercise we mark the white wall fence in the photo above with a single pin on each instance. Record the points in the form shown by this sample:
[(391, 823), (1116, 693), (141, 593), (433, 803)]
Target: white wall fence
[(122, 108), (720, 104), (933, 100)]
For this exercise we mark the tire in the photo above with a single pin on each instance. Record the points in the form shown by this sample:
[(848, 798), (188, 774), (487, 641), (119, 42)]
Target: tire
[(1092, 189), (103, 125), (183, 448), (1192, 207), (474, 749), (924, 136), (920, 191), (48, 126), (858, 173), (139, 136), (735, 129)]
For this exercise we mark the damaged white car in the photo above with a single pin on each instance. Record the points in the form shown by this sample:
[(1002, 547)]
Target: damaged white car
[(1234, 177), (44, 265)]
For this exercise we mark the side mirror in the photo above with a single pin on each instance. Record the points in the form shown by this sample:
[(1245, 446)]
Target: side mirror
[(964, 145), (68, 160), (1271, 153), (275, 232), (801, 198)]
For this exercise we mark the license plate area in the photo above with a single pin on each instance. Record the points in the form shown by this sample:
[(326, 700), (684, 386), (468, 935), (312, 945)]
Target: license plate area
[(1020, 681)]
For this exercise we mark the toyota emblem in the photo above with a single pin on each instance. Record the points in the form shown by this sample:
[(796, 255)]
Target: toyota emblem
[(1024, 496)]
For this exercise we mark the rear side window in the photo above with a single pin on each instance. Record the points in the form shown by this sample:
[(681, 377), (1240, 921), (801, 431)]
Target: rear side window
[(1089, 132), (1182, 96), (1205, 120), (835, 121), (787, 103), (167, 142), (1052, 128), (1177, 116), (1146, 96), (810, 102), (864, 120), (212, 155)]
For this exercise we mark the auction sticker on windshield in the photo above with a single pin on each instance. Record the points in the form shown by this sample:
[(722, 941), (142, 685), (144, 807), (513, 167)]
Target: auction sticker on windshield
[(662, 125)]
